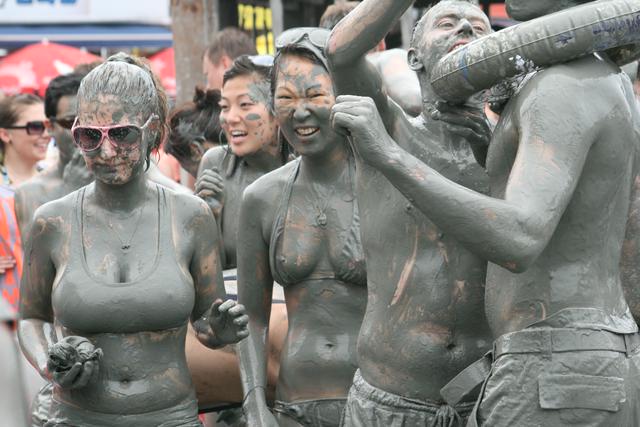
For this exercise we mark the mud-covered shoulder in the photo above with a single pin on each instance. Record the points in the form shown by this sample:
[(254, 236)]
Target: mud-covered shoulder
[(59, 212), (269, 187), (187, 206)]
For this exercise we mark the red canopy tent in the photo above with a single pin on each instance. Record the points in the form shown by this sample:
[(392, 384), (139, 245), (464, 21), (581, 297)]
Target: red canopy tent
[(163, 64), (30, 69)]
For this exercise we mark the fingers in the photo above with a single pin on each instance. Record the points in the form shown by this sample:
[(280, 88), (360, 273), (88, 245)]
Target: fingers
[(66, 378), (86, 374), (6, 263), (352, 98), (210, 181), (243, 320), (226, 306)]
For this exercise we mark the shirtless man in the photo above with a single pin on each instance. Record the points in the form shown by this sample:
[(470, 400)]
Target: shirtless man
[(561, 162), (425, 315)]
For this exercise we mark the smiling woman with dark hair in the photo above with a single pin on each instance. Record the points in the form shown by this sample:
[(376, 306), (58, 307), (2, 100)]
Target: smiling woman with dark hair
[(301, 228)]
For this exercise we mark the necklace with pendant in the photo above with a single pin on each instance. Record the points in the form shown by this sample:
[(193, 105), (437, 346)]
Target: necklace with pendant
[(321, 215), (125, 246)]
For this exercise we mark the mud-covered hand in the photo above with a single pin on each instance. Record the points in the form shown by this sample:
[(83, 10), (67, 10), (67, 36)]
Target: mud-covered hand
[(73, 362), (6, 263), (359, 118), (469, 123), (75, 173), (228, 321), (210, 188)]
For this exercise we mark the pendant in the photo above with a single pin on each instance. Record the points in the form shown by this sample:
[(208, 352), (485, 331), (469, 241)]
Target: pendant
[(321, 219), (125, 248)]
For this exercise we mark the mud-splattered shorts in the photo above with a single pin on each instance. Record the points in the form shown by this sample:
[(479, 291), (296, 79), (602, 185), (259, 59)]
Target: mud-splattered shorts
[(309, 413), (369, 406), (183, 415), (534, 383)]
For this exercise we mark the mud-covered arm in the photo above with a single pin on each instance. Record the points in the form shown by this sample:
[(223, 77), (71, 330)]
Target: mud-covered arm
[(210, 188), (513, 231), (35, 328), (216, 322), (255, 285), (630, 260), (352, 39)]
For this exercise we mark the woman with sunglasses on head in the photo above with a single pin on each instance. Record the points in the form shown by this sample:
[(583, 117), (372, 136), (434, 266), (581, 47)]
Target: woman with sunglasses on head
[(118, 265), (300, 227)]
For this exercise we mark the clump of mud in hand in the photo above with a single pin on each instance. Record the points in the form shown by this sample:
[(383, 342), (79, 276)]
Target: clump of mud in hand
[(69, 351)]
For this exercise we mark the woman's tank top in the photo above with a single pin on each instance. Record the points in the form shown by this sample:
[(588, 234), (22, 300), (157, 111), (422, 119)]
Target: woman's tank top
[(160, 298)]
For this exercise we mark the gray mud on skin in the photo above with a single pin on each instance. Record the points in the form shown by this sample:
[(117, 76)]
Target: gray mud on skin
[(130, 376), (561, 164), (425, 315), (317, 254)]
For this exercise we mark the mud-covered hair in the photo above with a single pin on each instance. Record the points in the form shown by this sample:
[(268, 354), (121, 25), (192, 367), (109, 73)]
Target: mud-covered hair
[(193, 121), (335, 12), (65, 85), (231, 42), (130, 79), (245, 66), (10, 109)]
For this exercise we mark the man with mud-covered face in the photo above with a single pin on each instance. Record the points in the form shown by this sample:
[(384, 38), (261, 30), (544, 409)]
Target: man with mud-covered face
[(561, 162), (425, 315)]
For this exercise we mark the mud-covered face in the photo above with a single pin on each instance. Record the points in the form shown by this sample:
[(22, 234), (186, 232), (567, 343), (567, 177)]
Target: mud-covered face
[(447, 26), (303, 99), (110, 163), (524, 10), (244, 115), (66, 110)]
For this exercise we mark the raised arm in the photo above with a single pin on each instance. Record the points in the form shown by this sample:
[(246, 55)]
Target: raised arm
[(217, 322), (512, 231), (255, 286), (35, 328), (352, 39)]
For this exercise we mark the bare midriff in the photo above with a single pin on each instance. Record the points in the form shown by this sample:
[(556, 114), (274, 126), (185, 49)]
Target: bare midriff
[(138, 373), (319, 355)]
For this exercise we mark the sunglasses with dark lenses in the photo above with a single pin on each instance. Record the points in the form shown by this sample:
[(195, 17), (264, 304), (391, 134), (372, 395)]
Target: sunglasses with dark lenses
[(317, 36), (36, 127), (64, 122), (90, 138)]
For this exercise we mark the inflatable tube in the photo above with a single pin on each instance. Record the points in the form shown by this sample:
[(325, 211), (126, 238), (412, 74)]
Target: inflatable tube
[(606, 25)]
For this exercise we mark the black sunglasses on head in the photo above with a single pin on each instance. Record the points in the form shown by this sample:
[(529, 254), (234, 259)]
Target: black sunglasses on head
[(36, 127)]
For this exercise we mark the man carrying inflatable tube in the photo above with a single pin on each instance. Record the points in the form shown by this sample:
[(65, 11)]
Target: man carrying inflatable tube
[(561, 162)]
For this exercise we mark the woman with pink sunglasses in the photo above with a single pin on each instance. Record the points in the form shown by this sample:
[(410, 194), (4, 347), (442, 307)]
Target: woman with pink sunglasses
[(118, 265)]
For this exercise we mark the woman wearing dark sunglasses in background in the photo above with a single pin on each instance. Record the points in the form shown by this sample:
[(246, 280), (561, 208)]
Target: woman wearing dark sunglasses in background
[(300, 227), (129, 270), (23, 138)]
